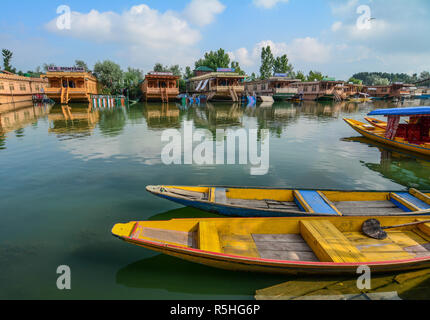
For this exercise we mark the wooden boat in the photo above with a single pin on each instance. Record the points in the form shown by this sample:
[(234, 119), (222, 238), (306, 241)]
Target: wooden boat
[(412, 136), (306, 245), (376, 122), (360, 97), (266, 202)]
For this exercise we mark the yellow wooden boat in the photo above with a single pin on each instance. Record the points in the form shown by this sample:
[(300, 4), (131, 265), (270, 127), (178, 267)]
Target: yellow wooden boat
[(280, 202), (376, 122), (306, 245), (378, 135)]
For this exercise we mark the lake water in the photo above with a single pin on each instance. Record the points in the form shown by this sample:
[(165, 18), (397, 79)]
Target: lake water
[(64, 183)]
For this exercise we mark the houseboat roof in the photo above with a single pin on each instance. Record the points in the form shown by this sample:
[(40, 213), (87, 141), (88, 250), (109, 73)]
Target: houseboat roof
[(63, 74), (218, 75), (161, 75), (203, 68), (277, 79), (11, 76), (322, 81), (401, 111)]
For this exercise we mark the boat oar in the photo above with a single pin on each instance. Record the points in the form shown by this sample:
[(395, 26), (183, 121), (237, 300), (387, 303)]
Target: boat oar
[(373, 229)]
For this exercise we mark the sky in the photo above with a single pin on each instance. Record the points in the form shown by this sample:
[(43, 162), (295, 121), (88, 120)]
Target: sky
[(336, 37)]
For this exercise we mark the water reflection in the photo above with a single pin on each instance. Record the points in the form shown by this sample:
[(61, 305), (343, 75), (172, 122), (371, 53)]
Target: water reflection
[(20, 118), (162, 116), (405, 168), (76, 121)]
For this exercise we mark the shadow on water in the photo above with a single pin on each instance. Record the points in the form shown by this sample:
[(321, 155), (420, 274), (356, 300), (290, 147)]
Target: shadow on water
[(175, 275), (183, 213), (408, 169)]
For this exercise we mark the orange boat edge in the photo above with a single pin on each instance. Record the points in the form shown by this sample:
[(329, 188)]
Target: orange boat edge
[(304, 245)]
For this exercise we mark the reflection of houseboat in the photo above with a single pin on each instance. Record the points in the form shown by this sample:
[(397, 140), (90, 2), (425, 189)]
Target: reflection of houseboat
[(22, 117), (18, 89), (68, 85), (325, 90), (221, 85), (160, 86), (277, 87), (162, 116), (67, 120)]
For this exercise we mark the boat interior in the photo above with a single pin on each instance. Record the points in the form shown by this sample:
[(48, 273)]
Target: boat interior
[(323, 239), (335, 203)]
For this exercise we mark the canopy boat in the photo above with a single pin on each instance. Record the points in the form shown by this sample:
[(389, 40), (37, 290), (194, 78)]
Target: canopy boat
[(412, 136), (306, 245), (376, 122), (266, 202)]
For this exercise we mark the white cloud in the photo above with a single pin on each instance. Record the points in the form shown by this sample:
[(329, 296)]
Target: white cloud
[(336, 26), (268, 4), (140, 25), (203, 12)]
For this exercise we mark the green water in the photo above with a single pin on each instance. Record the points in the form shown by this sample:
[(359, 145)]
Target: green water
[(65, 183)]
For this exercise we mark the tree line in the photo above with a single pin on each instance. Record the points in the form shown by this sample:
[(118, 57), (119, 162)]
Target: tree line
[(113, 80)]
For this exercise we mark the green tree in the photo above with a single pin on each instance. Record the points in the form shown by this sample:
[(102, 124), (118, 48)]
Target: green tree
[(235, 65), (132, 80), (188, 73), (315, 76), (379, 81), (7, 57), (110, 76), (214, 60), (81, 64), (46, 66), (301, 76), (355, 81), (281, 65), (267, 63)]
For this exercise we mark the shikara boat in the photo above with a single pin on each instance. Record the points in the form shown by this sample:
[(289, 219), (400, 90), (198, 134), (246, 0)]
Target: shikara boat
[(412, 136), (376, 122), (266, 202), (306, 245)]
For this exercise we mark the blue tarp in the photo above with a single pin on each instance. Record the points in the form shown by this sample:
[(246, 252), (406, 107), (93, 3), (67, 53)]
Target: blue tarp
[(401, 111)]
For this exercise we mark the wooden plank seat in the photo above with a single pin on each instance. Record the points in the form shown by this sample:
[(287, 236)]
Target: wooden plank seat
[(208, 237), (315, 202), (408, 202), (328, 243)]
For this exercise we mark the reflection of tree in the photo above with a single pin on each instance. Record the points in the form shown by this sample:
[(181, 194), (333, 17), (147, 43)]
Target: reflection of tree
[(112, 121), (162, 116)]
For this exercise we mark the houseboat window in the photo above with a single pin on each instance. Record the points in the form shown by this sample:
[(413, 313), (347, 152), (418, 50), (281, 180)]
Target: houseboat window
[(37, 87), (305, 89), (1, 86), (163, 84), (314, 88), (255, 87), (22, 87), (11, 87), (263, 87)]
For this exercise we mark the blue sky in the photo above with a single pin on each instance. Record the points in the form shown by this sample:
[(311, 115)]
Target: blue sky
[(323, 35)]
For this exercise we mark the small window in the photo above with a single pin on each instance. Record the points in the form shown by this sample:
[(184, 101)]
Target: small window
[(1, 86), (22, 87), (11, 87)]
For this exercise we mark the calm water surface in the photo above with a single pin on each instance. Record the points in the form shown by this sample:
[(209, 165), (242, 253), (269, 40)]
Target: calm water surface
[(65, 183)]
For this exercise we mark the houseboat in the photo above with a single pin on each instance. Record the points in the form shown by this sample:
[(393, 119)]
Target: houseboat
[(392, 91), (325, 90), (277, 87), (224, 84), (160, 86), (68, 85), (411, 136), (19, 90)]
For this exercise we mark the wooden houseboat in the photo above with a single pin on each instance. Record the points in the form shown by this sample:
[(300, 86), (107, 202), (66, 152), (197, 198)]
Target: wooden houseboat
[(325, 90), (68, 85), (160, 86), (412, 136), (224, 84), (277, 87), (392, 91), (16, 89)]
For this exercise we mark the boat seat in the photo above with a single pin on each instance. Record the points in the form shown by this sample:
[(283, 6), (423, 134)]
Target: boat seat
[(218, 195), (408, 202), (314, 202), (328, 243), (208, 237)]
